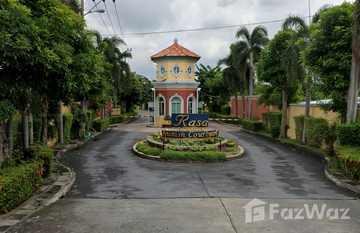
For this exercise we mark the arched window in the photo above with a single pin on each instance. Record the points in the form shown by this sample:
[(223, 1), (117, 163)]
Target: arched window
[(176, 105), (161, 104), (191, 105)]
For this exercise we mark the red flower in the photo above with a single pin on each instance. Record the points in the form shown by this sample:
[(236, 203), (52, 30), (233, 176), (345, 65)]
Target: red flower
[(19, 195), (1, 187), (4, 194), (4, 174)]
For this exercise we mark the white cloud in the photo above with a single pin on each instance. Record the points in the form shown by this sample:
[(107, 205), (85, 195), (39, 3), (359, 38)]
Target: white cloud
[(143, 16)]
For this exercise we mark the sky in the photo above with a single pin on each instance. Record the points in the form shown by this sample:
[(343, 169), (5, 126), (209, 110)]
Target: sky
[(205, 27)]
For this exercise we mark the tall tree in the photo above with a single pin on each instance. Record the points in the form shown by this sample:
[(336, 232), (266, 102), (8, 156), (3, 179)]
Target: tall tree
[(302, 31), (279, 66), (328, 55), (255, 42)]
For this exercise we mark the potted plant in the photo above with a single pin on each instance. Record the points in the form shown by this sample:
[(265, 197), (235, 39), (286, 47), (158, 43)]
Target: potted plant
[(167, 119)]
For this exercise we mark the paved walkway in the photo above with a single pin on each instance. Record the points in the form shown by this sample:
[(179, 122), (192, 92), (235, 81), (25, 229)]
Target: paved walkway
[(116, 191)]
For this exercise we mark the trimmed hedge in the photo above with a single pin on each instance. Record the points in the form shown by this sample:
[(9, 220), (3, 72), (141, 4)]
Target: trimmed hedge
[(148, 150), (253, 126), (316, 130), (349, 161), (17, 184), (67, 122), (225, 110), (192, 156), (101, 124), (44, 154), (275, 131), (348, 134), (299, 126), (271, 119), (117, 119)]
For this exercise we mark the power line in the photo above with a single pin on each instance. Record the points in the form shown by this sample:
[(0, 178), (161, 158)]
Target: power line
[(107, 11), (103, 20), (118, 18)]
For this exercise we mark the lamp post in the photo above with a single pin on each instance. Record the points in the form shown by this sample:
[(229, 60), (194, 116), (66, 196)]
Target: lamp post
[(91, 10), (95, 11)]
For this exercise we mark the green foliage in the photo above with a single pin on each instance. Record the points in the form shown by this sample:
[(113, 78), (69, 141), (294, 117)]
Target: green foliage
[(90, 117), (37, 122), (275, 131), (329, 55), (7, 110), (349, 161), (271, 119), (79, 117), (253, 126), (192, 156), (225, 110), (44, 154), (348, 135), (231, 149), (192, 148), (316, 130), (299, 126), (101, 125), (148, 150), (67, 122), (232, 143), (17, 184)]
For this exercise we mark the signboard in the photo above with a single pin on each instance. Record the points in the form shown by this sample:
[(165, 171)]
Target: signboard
[(189, 120), (115, 111), (190, 134)]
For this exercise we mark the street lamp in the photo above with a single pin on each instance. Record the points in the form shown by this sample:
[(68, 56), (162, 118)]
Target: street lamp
[(95, 11)]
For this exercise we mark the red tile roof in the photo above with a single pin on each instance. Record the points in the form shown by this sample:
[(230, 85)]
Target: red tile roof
[(175, 50)]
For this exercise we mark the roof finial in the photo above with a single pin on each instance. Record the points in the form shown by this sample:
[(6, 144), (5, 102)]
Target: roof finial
[(175, 40)]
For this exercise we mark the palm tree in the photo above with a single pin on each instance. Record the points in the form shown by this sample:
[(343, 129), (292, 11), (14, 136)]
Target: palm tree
[(237, 65), (113, 55), (255, 42), (354, 76), (298, 23)]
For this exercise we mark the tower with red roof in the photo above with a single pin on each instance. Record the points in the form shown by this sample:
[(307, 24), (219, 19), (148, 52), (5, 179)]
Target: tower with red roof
[(175, 89)]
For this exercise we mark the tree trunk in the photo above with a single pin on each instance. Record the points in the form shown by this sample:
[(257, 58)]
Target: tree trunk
[(44, 130), (105, 110), (31, 133), (236, 104), (243, 98), (4, 146), (61, 127), (353, 93), (9, 135), (25, 130), (251, 85), (102, 113), (115, 98), (283, 117), (307, 110), (83, 125)]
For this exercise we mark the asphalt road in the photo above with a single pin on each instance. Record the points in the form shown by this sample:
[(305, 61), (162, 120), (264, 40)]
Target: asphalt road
[(116, 191)]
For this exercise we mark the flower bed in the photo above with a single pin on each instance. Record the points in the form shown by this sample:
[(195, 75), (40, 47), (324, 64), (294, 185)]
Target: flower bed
[(348, 159)]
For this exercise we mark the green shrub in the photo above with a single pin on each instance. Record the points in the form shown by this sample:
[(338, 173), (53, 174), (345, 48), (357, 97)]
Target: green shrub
[(67, 122), (44, 154), (192, 148), (17, 184), (79, 117), (101, 125), (349, 161), (192, 156), (348, 134), (225, 110), (90, 117), (275, 131), (148, 150), (271, 119), (231, 149), (316, 130), (299, 126), (212, 114), (253, 126)]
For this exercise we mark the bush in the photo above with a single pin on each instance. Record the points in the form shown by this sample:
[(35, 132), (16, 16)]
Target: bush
[(225, 110), (67, 122), (275, 131), (18, 183), (299, 126), (348, 134), (148, 150), (192, 156), (44, 154), (90, 117), (253, 126), (79, 117), (271, 119), (192, 148), (316, 130), (349, 162), (101, 124)]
